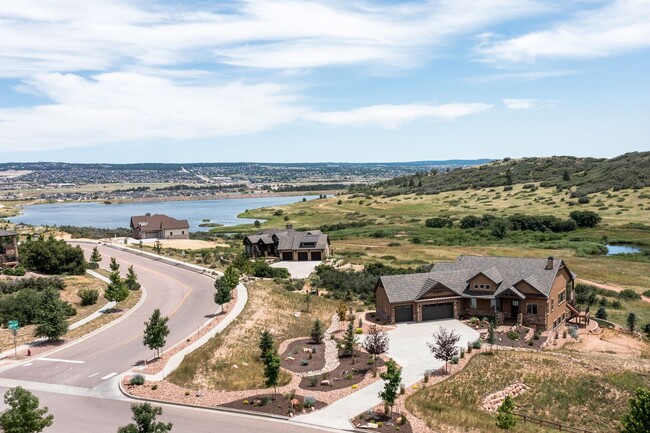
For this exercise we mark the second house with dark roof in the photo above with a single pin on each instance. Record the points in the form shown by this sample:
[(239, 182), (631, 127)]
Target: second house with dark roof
[(520, 290), (159, 226), (288, 244)]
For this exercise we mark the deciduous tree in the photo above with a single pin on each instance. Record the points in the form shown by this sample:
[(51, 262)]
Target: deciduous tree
[(223, 293), (637, 418), (24, 414), (392, 378), (231, 277), (155, 332), (144, 420), (444, 345)]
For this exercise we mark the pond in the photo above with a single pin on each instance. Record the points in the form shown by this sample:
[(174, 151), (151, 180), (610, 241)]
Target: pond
[(613, 250), (87, 214)]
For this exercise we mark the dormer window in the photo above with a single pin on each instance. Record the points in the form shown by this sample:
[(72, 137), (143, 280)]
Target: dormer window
[(482, 286), (487, 286), (476, 286)]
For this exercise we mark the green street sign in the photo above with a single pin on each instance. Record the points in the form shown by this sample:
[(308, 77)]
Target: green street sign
[(13, 324)]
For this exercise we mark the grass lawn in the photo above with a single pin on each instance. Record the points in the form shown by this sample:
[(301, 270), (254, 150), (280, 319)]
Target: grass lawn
[(271, 307), (590, 393)]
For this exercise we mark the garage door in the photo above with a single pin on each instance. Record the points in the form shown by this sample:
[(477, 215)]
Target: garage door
[(316, 255), (403, 314), (303, 257), (437, 311), (287, 256)]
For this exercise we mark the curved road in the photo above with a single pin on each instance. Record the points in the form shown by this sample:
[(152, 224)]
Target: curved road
[(78, 381)]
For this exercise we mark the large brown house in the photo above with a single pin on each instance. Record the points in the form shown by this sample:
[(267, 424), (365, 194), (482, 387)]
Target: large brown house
[(8, 249), (159, 226), (522, 290), (288, 244)]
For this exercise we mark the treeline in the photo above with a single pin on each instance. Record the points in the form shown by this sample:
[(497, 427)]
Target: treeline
[(95, 232), (314, 187), (350, 285), (586, 175)]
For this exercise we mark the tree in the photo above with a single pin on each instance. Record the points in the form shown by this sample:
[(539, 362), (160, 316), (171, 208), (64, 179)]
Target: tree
[(51, 256), (490, 336), (506, 417), (272, 369), (155, 332), (375, 343), (51, 317), (157, 247), (631, 322), (585, 218), (349, 340), (131, 279), (95, 257), (231, 277), (392, 378), (601, 313), (144, 417), (116, 291), (444, 345), (342, 311), (223, 295), (114, 265), (257, 224), (317, 332), (23, 415), (637, 418), (307, 302), (499, 228), (266, 343), (509, 177)]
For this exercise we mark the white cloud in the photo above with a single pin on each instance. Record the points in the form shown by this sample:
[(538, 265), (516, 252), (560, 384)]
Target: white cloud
[(102, 35), (124, 107), (528, 104), (618, 27), (521, 76), (393, 116)]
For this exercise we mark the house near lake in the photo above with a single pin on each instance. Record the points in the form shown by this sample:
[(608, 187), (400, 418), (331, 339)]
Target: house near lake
[(8, 249), (159, 226), (529, 291), (288, 244)]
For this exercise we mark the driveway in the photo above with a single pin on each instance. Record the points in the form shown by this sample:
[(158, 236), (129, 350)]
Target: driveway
[(298, 270), (408, 347)]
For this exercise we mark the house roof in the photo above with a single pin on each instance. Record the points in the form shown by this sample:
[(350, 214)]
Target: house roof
[(289, 239), (157, 222), (506, 272), (6, 233)]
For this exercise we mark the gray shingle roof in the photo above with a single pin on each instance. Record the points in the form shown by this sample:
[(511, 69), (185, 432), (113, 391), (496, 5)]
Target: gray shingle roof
[(505, 271), (289, 239), (6, 233)]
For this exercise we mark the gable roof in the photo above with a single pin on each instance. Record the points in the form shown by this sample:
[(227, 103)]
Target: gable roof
[(157, 222), (289, 239), (6, 233), (505, 271)]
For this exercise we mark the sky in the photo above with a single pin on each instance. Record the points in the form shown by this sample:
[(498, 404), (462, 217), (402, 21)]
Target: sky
[(307, 81)]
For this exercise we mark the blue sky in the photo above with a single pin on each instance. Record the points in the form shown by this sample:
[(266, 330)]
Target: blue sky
[(291, 81)]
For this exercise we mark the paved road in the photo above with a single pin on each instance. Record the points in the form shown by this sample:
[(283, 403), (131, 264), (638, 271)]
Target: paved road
[(185, 296)]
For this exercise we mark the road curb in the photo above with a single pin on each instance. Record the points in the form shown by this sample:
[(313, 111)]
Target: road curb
[(196, 406)]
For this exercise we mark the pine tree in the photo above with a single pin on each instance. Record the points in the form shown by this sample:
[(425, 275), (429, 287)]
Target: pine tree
[(23, 414), (631, 322), (144, 417), (317, 332), (131, 279), (114, 265), (601, 313), (223, 295), (266, 343), (116, 291), (349, 341), (95, 257), (51, 317), (155, 332), (392, 378), (506, 417), (637, 419), (342, 311), (490, 336)]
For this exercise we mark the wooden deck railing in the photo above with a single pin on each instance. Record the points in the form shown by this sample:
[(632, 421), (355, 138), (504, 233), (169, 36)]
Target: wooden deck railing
[(552, 424)]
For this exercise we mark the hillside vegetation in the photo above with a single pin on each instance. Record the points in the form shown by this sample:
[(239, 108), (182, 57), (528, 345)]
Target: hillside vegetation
[(583, 175)]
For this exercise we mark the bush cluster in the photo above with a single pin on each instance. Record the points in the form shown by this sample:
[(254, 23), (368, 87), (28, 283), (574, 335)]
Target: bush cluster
[(34, 283), (51, 256), (27, 305)]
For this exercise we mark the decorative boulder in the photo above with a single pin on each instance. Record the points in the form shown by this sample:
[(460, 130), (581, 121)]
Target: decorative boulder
[(306, 350), (325, 382)]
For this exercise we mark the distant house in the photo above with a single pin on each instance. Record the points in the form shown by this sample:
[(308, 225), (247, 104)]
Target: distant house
[(8, 249), (159, 226), (288, 244), (518, 290)]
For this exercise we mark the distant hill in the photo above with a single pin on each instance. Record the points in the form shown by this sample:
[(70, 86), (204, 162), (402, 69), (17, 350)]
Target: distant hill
[(586, 175)]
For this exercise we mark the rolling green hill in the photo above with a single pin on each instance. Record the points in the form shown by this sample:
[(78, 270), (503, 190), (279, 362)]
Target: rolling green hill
[(583, 175)]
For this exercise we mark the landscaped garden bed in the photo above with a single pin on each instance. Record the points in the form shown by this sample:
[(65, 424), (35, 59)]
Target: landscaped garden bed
[(286, 405), (303, 355), (377, 420), (519, 336), (351, 371)]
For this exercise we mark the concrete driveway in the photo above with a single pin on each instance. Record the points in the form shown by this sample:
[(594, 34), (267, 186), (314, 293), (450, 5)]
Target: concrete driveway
[(408, 347), (298, 270)]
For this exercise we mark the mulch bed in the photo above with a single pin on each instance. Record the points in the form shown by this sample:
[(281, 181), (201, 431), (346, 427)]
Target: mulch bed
[(383, 422), (280, 405), (343, 376), (502, 339), (295, 350)]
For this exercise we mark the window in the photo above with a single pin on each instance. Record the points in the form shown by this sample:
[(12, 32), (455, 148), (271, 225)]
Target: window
[(552, 304), (495, 303), (515, 303), (476, 286), (531, 309), (561, 297), (472, 303), (183, 232), (171, 233), (487, 286), (482, 286)]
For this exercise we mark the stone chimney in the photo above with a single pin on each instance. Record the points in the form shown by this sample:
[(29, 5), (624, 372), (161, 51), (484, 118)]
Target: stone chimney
[(549, 263)]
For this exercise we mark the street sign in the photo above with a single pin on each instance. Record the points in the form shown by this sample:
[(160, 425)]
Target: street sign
[(13, 324)]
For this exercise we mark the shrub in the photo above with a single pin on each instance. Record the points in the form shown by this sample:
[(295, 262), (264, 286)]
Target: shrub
[(138, 379), (309, 402), (304, 363), (462, 352), (313, 381), (513, 335), (455, 359), (394, 244), (426, 377), (349, 376), (88, 296), (584, 200), (601, 313), (438, 222), (629, 295), (245, 402), (358, 331), (476, 344), (585, 218), (402, 389), (616, 304), (154, 387), (646, 293), (573, 332), (473, 320)]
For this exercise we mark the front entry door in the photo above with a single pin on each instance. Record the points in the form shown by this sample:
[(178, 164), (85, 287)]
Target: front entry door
[(514, 309)]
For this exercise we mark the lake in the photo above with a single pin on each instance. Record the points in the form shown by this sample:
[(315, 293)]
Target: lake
[(85, 214), (613, 250)]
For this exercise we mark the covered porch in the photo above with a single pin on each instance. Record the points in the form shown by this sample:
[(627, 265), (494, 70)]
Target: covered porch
[(8, 249)]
